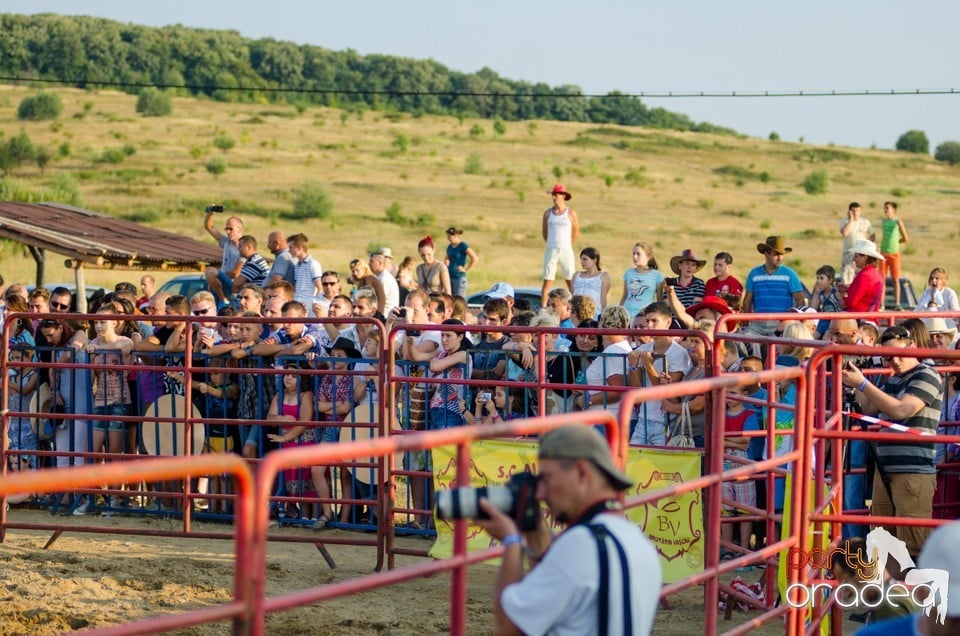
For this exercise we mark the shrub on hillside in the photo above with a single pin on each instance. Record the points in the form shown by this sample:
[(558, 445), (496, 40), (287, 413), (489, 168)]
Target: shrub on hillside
[(40, 106), (216, 166), (914, 141), (310, 201), (153, 102), (816, 182), (948, 151), (15, 152), (224, 142)]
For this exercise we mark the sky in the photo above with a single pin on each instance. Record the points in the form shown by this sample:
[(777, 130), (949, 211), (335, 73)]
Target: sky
[(639, 46)]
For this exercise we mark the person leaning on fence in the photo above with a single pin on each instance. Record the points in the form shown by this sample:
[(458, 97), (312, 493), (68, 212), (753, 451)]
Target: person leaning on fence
[(912, 397), (609, 368), (601, 560), (489, 362), (660, 361), (694, 405), (452, 362)]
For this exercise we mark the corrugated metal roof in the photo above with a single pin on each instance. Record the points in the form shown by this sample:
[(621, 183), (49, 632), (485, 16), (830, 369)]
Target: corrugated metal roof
[(101, 241)]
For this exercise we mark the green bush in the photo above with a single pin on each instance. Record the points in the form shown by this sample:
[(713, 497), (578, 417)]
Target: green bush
[(914, 141), (948, 151), (224, 142), (473, 164), (774, 136), (40, 106), (153, 102), (395, 215), (111, 155), (816, 182), (477, 131), (499, 127), (401, 142), (310, 201), (216, 166), (15, 152)]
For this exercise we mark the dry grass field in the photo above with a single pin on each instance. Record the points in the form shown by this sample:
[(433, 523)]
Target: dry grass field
[(675, 190)]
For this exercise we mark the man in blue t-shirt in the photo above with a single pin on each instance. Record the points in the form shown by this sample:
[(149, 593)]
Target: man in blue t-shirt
[(772, 287)]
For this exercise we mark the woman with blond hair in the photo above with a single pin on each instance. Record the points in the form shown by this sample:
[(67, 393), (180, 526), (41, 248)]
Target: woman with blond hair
[(609, 368)]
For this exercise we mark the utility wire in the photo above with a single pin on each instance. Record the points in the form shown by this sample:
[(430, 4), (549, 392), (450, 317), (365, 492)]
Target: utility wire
[(447, 93)]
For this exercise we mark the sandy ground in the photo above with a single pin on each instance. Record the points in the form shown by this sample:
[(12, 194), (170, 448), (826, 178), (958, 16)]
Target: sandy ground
[(87, 580)]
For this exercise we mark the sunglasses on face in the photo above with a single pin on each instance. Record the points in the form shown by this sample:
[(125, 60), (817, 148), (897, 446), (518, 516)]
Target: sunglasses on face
[(57, 305), (201, 312)]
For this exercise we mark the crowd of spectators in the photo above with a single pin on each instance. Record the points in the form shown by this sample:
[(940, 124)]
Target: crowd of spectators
[(289, 404)]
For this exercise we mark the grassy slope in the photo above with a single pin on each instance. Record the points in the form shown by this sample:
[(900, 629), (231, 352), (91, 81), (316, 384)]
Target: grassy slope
[(663, 187)]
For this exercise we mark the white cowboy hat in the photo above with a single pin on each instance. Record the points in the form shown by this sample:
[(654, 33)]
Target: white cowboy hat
[(867, 248)]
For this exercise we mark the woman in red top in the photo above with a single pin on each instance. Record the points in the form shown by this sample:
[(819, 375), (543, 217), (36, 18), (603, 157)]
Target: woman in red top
[(865, 293)]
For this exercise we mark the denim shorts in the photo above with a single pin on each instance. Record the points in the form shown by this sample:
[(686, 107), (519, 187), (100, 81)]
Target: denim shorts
[(110, 425)]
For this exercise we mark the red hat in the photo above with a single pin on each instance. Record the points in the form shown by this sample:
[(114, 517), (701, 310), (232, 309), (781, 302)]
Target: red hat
[(560, 189), (716, 303)]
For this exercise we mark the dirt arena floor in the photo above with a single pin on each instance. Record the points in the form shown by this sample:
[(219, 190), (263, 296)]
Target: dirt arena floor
[(86, 580)]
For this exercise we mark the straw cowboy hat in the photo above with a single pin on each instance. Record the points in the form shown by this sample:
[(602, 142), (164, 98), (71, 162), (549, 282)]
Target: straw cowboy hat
[(686, 255), (938, 325), (559, 189), (775, 243), (867, 248)]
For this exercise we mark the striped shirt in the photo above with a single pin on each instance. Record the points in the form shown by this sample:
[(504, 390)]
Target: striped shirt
[(255, 269), (773, 293), (306, 273), (692, 293), (923, 383)]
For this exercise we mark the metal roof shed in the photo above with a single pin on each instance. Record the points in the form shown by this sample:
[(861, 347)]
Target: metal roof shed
[(92, 240)]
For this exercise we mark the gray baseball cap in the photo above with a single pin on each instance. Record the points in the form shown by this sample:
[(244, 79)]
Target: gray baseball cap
[(583, 442)]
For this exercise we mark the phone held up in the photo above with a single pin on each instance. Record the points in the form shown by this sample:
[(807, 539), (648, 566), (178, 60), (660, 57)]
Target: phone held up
[(214, 208)]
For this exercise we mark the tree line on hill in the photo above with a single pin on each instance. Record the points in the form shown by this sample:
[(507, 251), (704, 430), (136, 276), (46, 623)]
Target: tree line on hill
[(225, 66)]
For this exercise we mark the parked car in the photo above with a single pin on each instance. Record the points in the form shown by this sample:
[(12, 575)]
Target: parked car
[(184, 285), (530, 294)]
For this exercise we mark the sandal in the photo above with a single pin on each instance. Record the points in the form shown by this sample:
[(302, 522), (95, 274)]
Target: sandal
[(322, 522)]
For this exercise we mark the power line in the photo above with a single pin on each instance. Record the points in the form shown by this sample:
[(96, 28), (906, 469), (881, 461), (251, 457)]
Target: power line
[(514, 95)]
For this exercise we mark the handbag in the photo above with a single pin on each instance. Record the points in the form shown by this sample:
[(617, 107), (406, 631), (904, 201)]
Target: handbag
[(682, 437)]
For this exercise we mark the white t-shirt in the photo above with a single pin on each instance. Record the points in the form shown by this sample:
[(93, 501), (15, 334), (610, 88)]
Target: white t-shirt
[(559, 595), (677, 360), (559, 230), (612, 362), (391, 291)]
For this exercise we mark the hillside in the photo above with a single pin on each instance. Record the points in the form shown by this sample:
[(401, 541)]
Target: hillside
[(674, 189)]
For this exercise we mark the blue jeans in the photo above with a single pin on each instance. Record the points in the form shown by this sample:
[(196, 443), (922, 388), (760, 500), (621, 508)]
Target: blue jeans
[(458, 285), (441, 417), (108, 424), (855, 488)]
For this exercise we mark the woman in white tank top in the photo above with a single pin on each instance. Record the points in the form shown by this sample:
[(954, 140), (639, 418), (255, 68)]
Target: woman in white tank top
[(592, 281)]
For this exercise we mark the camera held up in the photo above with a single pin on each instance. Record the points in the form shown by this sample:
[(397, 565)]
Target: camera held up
[(517, 498)]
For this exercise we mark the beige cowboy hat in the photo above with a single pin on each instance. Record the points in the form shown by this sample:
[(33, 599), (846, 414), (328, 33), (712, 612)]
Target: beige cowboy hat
[(775, 243), (938, 325), (686, 255), (867, 248)]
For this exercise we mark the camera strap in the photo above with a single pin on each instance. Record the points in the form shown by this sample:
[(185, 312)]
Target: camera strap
[(600, 534)]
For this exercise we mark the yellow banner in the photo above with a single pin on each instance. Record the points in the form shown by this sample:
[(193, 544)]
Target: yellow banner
[(674, 525)]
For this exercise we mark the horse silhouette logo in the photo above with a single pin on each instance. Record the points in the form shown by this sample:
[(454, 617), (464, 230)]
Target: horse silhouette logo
[(881, 545)]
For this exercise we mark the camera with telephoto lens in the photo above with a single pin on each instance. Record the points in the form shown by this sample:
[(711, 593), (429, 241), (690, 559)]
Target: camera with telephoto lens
[(516, 498)]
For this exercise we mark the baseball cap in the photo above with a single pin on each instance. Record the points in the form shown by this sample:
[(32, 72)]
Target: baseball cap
[(583, 442), (500, 290), (940, 552)]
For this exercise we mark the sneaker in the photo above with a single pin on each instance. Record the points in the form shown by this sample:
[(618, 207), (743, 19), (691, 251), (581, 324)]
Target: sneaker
[(81, 508)]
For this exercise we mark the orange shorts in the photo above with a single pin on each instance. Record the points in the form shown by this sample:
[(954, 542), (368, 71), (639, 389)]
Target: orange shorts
[(893, 261)]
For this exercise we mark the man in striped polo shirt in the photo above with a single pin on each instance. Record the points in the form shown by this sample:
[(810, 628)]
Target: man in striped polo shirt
[(906, 472)]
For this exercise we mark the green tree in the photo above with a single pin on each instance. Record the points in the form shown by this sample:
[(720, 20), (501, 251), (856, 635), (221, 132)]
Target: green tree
[(153, 102), (948, 151), (914, 141), (40, 106), (216, 166), (310, 201), (816, 182), (43, 156)]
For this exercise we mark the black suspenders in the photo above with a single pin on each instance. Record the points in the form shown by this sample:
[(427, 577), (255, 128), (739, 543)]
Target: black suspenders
[(600, 533)]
